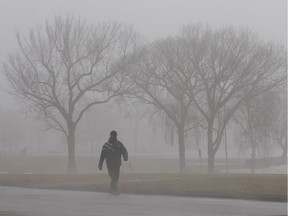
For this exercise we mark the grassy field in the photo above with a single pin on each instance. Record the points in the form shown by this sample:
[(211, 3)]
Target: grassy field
[(141, 175), (244, 186), (89, 163)]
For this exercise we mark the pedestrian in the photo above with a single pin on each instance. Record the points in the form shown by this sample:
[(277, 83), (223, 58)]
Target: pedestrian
[(112, 152)]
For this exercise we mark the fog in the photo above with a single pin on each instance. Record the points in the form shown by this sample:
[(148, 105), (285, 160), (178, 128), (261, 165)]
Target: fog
[(153, 19)]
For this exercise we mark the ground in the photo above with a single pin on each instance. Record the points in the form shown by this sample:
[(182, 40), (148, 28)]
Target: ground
[(142, 175)]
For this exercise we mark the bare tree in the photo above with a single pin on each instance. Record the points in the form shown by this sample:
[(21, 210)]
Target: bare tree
[(162, 79), (274, 118), (279, 128), (263, 121), (250, 119), (65, 67), (232, 66)]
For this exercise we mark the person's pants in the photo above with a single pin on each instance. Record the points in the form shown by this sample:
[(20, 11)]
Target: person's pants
[(114, 175)]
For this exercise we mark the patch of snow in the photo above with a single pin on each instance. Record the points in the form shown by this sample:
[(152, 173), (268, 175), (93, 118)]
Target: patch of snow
[(269, 170), (274, 170)]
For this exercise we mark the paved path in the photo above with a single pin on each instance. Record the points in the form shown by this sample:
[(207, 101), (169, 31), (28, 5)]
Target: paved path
[(35, 202)]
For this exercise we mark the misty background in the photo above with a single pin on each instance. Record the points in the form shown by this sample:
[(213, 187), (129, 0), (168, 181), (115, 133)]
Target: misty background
[(153, 19)]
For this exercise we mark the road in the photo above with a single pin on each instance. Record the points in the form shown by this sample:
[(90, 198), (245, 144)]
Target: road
[(35, 202)]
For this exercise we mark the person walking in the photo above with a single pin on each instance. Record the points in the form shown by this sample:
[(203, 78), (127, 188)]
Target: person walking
[(112, 152)]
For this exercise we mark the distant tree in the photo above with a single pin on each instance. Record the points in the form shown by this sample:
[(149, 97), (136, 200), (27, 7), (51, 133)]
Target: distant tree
[(250, 121), (87, 132), (163, 78), (93, 126), (12, 132), (65, 67), (263, 123), (136, 113), (274, 106), (279, 128), (232, 66)]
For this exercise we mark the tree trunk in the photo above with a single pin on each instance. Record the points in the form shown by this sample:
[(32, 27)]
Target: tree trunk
[(136, 135), (284, 150), (181, 143), (71, 151), (253, 157), (211, 161), (211, 154), (253, 147)]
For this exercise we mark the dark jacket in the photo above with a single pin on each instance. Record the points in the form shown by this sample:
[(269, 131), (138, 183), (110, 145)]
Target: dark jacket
[(112, 151)]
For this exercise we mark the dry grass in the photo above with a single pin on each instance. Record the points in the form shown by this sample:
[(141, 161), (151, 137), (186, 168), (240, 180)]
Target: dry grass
[(264, 187), (88, 164), (154, 176), (225, 185)]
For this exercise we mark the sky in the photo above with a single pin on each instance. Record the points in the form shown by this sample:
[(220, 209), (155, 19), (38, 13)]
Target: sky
[(152, 18)]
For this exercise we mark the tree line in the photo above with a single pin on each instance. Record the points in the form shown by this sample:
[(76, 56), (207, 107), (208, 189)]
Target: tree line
[(201, 77)]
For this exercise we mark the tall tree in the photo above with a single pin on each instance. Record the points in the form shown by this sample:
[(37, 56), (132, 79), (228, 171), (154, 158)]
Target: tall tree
[(263, 121), (279, 126), (162, 78), (67, 66), (232, 66), (250, 117)]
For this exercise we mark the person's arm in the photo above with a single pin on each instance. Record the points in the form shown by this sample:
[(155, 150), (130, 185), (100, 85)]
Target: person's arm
[(124, 153), (102, 158)]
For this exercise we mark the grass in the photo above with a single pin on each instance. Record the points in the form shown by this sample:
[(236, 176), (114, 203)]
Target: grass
[(89, 163), (244, 186), (153, 176)]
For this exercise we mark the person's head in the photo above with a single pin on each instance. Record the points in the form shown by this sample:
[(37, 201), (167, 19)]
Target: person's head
[(113, 134)]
